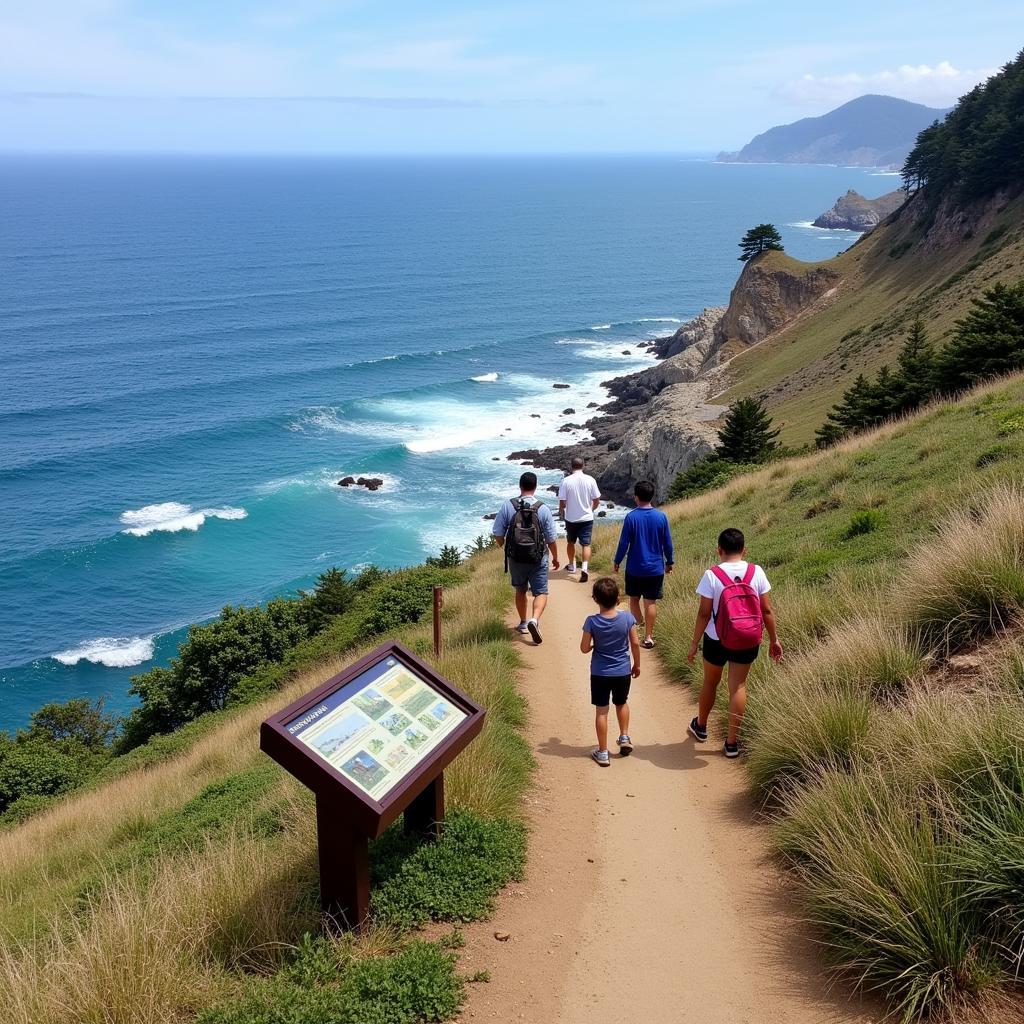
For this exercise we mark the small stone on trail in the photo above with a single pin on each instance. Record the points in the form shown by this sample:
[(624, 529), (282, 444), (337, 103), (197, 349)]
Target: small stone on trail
[(965, 663), (590, 860), (502, 936), (631, 794)]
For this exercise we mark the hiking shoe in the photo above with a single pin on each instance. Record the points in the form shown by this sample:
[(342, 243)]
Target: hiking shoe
[(602, 757), (535, 631), (697, 731), (649, 642), (625, 745), (584, 576), (731, 749), (521, 628)]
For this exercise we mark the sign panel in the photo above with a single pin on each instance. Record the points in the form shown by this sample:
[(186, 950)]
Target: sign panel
[(378, 727)]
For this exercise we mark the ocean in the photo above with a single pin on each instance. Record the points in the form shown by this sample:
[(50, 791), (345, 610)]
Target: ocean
[(194, 350)]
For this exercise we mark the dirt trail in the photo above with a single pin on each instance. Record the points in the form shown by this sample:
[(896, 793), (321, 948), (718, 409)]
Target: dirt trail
[(650, 894)]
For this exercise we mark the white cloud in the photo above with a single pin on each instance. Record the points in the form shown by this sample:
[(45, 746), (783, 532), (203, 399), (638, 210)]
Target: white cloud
[(936, 85)]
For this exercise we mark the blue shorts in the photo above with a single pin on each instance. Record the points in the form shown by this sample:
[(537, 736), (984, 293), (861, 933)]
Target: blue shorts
[(534, 577), (579, 533)]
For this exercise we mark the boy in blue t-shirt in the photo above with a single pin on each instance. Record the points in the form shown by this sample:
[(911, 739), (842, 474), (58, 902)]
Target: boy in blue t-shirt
[(612, 637)]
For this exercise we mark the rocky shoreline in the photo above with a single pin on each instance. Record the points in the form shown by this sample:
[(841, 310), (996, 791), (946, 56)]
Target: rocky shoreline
[(658, 421)]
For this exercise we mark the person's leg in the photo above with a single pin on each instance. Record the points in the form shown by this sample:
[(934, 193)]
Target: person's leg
[(585, 555), (601, 724), (622, 714), (650, 615), (521, 604), (570, 555), (708, 692), (540, 602), (634, 607), (737, 699)]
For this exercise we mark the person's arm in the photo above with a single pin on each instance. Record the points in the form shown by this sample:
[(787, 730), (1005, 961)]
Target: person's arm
[(595, 498), (553, 551), (634, 649), (666, 544), (624, 540), (587, 643), (703, 618), (561, 507), (548, 525), (500, 528), (768, 614)]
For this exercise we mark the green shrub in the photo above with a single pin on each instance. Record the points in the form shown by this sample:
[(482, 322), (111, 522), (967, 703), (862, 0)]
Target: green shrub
[(416, 985), (706, 475), (865, 520), (39, 767), (994, 453), (453, 879)]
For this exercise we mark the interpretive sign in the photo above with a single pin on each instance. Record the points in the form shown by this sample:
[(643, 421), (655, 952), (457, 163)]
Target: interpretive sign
[(372, 743)]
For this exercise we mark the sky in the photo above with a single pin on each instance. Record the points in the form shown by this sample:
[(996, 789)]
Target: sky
[(450, 76)]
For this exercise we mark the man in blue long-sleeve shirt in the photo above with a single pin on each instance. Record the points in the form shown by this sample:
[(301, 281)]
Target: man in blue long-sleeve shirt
[(646, 545)]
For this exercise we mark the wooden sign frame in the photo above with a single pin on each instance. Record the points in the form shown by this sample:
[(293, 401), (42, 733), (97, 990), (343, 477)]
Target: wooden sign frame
[(347, 817)]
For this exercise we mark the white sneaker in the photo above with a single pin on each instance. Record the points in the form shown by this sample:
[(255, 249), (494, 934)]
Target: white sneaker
[(570, 568), (522, 628)]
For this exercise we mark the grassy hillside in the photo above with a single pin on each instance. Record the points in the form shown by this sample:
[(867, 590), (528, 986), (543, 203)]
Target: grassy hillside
[(893, 275), (887, 748), (189, 883)]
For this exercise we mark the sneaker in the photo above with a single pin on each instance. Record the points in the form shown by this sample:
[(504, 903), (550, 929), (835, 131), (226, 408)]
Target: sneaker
[(731, 749), (521, 628), (570, 568), (584, 576), (625, 745), (535, 631), (649, 642), (697, 731), (602, 757)]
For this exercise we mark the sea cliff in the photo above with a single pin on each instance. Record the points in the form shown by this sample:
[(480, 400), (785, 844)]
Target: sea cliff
[(852, 212)]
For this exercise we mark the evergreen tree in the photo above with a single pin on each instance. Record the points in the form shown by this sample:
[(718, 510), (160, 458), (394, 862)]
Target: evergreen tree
[(331, 596), (449, 558), (989, 341), (747, 434), (915, 370), (759, 239), (850, 415)]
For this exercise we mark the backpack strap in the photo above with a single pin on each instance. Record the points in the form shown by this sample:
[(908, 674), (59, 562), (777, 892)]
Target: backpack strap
[(749, 574), (722, 575)]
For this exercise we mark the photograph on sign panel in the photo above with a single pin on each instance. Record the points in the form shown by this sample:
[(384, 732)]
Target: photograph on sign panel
[(372, 703), (338, 733), (365, 771)]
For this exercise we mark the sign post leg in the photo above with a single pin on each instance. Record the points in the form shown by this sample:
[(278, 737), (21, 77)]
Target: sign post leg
[(425, 815), (344, 858)]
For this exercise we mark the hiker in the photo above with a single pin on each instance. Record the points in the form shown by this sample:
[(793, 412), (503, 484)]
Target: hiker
[(734, 610), (578, 498), (525, 528), (612, 637), (648, 540)]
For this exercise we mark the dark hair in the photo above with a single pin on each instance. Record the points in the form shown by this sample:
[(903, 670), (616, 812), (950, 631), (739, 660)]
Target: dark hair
[(731, 541), (577, 462), (606, 592), (644, 490), (528, 481)]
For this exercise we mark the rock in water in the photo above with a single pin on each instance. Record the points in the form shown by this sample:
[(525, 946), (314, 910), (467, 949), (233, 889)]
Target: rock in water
[(853, 212), (569, 411), (560, 386), (346, 481)]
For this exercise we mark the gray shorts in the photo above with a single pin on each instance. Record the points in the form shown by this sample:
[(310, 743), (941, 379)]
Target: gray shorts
[(533, 577)]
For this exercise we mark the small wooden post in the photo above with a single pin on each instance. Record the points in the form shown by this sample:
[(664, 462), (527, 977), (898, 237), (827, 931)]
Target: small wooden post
[(344, 859), (425, 815), (438, 601)]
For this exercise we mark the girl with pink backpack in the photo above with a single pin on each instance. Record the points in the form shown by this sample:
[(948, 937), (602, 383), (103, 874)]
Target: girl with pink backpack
[(734, 612)]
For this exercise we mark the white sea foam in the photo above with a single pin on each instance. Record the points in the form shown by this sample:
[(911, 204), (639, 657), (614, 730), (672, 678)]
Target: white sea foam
[(112, 651), (485, 378), (601, 327), (659, 320), (172, 517), (577, 341)]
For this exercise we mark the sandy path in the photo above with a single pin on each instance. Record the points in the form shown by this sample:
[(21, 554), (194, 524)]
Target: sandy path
[(650, 894)]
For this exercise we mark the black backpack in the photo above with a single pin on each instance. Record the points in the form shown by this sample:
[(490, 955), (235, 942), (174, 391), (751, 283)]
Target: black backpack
[(524, 542)]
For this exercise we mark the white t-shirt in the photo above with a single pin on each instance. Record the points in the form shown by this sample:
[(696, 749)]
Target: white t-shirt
[(711, 586), (579, 492)]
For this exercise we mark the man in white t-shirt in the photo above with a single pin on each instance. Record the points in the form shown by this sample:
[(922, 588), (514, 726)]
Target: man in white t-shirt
[(578, 497), (733, 565)]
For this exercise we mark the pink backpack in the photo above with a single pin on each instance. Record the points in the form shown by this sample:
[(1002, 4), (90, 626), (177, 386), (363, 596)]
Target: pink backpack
[(738, 621)]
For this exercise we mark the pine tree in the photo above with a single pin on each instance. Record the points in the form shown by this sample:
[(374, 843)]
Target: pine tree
[(747, 434), (988, 341), (759, 239), (915, 370), (849, 415)]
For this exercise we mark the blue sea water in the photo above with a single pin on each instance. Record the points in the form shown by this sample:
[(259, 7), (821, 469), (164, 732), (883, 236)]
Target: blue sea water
[(193, 351)]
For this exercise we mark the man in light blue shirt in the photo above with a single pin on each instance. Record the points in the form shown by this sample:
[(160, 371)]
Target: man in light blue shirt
[(531, 538)]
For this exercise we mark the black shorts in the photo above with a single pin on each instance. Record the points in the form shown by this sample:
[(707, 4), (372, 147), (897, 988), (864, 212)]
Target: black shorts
[(716, 654), (650, 588), (604, 687), (579, 533)]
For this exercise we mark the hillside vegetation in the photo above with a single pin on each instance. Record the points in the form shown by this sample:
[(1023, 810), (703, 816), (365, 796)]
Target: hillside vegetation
[(184, 888), (960, 233), (887, 748)]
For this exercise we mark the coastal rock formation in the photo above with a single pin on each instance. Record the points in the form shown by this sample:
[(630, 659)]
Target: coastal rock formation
[(852, 212), (772, 289), (371, 483)]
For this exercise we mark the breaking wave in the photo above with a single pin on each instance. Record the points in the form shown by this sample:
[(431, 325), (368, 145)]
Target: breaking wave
[(173, 516), (111, 651)]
